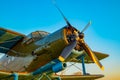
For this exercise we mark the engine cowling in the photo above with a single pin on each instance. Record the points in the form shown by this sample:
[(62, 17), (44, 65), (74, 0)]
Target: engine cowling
[(58, 67)]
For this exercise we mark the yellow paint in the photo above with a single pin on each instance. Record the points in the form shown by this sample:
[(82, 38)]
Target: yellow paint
[(8, 73), (23, 73), (102, 67), (61, 58), (64, 32), (75, 32), (94, 59), (12, 32)]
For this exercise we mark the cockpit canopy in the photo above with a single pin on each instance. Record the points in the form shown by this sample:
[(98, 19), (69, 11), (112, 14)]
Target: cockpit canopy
[(34, 36)]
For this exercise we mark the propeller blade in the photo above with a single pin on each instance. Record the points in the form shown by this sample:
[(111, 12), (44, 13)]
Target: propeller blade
[(89, 23), (67, 22), (91, 54), (67, 51)]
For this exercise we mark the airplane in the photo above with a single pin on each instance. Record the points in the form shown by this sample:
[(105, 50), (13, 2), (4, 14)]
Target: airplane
[(41, 53)]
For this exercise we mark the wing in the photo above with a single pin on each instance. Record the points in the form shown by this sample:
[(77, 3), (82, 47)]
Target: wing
[(99, 55), (22, 76), (76, 55), (8, 39)]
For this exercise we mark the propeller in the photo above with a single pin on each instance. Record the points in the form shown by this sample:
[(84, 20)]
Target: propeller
[(86, 47), (89, 23), (79, 37), (91, 54), (67, 22), (67, 50)]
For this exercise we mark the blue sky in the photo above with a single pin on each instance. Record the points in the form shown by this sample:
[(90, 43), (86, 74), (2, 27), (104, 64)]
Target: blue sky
[(39, 14), (103, 35)]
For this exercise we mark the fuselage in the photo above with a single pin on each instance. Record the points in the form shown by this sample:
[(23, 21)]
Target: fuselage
[(43, 50)]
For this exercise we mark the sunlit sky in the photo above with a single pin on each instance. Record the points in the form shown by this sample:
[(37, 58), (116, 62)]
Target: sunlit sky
[(103, 35)]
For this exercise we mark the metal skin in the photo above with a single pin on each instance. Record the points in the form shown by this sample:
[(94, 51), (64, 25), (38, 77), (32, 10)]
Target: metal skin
[(47, 49), (13, 75), (50, 46), (51, 67), (44, 51)]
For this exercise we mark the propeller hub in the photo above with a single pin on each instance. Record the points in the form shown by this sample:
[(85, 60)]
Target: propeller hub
[(81, 35)]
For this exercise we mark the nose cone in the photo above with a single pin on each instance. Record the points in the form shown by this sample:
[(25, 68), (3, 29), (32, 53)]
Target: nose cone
[(81, 35)]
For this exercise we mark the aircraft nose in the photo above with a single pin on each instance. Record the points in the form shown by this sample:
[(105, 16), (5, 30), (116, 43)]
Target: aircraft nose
[(71, 34)]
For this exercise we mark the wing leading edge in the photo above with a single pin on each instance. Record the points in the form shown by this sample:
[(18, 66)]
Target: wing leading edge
[(76, 55), (8, 39)]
